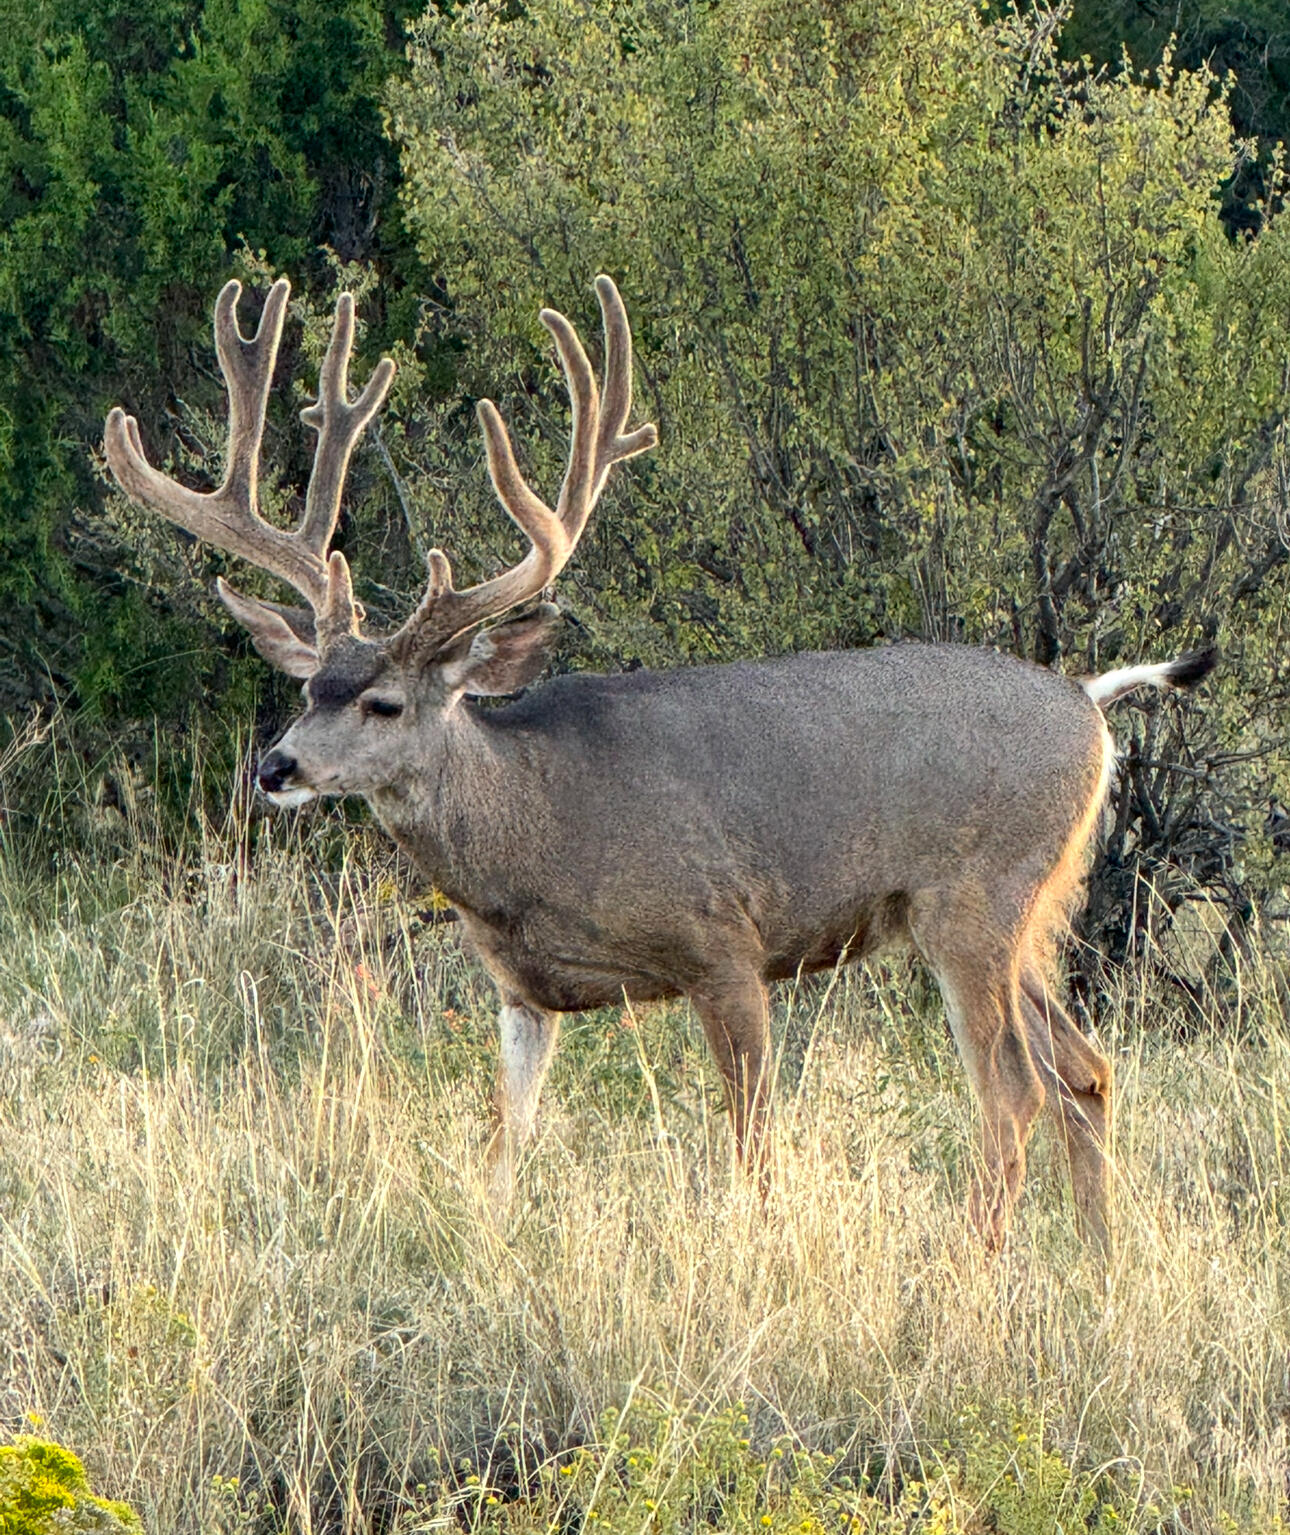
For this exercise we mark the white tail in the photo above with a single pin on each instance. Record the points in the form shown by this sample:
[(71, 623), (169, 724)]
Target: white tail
[(1182, 672)]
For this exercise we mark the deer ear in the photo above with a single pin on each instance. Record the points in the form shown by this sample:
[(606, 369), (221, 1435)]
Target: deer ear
[(506, 657), (283, 636)]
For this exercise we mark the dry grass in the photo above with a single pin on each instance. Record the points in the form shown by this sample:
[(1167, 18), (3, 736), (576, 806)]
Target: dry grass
[(242, 1231)]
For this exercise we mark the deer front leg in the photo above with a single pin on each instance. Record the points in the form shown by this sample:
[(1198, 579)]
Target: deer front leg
[(736, 1023), (528, 1038)]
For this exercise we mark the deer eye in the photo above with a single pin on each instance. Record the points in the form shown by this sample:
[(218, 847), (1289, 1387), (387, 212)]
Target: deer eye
[(382, 708)]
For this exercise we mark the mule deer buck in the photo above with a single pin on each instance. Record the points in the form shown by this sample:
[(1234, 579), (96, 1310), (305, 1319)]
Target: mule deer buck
[(699, 832)]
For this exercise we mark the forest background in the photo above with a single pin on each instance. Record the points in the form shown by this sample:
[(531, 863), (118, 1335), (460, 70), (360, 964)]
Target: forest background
[(958, 321), (956, 325)]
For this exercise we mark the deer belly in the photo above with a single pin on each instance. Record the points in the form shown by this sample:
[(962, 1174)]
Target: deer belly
[(837, 938), (567, 968)]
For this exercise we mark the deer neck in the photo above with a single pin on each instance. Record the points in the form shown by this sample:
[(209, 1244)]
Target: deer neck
[(465, 814)]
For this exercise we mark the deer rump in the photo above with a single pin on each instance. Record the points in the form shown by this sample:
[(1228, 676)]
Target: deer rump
[(777, 815)]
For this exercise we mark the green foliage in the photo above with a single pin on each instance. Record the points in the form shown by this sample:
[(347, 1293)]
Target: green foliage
[(678, 1470), (44, 1491), (141, 147), (1247, 42), (942, 339), (894, 285)]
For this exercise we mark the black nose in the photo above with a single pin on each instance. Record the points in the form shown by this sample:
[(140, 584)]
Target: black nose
[(275, 770)]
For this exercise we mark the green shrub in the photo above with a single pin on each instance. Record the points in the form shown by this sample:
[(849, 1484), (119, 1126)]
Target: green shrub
[(142, 147), (1247, 41), (44, 1491)]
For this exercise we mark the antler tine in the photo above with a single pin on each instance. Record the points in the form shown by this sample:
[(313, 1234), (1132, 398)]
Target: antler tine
[(598, 420), (611, 445), (444, 612), (526, 509), (596, 444), (247, 367), (578, 490), (229, 517), (339, 426)]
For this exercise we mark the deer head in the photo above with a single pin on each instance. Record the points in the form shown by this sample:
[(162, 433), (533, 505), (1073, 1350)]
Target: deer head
[(373, 701)]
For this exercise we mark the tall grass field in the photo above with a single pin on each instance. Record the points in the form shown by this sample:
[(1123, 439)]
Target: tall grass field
[(252, 1275)]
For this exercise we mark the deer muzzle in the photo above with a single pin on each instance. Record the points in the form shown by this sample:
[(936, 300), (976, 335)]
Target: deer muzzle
[(275, 774)]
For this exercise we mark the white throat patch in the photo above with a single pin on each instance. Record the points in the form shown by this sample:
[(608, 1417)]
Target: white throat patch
[(289, 799)]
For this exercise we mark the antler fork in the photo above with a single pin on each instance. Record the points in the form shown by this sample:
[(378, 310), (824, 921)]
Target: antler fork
[(229, 517), (597, 443)]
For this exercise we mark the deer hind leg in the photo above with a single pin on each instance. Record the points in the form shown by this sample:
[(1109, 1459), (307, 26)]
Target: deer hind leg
[(1079, 1078), (528, 1039), (736, 1023), (976, 969)]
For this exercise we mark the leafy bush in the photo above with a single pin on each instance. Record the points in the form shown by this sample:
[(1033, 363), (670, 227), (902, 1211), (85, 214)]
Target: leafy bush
[(1245, 41), (44, 1491)]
